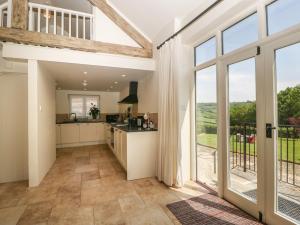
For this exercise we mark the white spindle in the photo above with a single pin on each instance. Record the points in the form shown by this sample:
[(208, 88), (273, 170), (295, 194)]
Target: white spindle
[(91, 28), (9, 10), (70, 20), (76, 25), (54, 22), (62, 23), (1, 20), (83, 25), (47, 21), (30, 19), (39, 19)]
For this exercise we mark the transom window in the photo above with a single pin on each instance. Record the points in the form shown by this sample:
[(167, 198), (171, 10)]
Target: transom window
[(282, 14), (205, 51), (240, 34), (81, 104)]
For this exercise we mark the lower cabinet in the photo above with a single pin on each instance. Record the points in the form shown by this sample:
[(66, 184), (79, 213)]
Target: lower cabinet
[(70, 133), (80, 133), (124, 149)]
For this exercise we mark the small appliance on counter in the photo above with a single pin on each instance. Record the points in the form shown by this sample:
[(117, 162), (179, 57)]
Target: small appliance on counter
[(112, 118), (140, 120)]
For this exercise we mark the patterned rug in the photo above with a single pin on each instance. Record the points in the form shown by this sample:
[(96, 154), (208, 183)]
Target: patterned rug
[(209, 209)]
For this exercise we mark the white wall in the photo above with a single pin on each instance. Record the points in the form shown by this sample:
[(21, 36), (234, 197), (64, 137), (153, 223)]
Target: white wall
[(108, 100), (107, 31), (13, 128), (41, 119)]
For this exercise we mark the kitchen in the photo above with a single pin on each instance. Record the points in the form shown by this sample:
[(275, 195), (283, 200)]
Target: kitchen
[(131, 136)]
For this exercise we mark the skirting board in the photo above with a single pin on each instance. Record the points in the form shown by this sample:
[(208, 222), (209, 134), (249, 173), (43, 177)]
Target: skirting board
[(80, 144)]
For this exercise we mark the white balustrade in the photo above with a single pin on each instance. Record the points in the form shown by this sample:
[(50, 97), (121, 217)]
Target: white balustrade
[(59, 21), (4, 14)]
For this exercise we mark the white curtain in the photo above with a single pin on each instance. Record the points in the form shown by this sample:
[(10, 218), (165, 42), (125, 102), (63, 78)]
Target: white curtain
[(169, 152)]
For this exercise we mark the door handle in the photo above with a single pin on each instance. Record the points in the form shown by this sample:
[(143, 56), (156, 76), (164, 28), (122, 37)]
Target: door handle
[(269, 130)]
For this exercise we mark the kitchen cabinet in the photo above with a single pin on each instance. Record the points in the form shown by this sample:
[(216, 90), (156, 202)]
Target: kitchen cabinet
[(58, 134), (124, 149), (88, 132), (69, 133), (78, 134)]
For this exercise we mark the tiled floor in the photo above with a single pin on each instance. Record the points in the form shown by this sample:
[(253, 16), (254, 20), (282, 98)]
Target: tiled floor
[(87, 186)]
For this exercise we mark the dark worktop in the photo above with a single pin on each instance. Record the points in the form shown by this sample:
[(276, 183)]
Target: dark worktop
[(126, 128), (79, 121)]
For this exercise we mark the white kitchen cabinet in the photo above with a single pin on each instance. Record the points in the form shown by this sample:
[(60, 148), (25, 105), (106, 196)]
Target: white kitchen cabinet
[(124, 149), (88, 132), (58, 134), (69, 133), (100, 132)]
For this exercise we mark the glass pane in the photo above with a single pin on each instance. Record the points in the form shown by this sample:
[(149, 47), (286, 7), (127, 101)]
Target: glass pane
[(206, 51), (240, 34), (288, 140), (206, 126), (242, 138), (282, 14), (77, 105)]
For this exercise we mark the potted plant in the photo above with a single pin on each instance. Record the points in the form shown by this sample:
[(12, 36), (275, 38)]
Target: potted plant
[(94, 111)]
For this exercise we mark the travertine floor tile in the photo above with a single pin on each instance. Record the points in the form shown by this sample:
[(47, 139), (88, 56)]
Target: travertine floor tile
[(10, 216), (36, 213), (87, 185), (71, 216)]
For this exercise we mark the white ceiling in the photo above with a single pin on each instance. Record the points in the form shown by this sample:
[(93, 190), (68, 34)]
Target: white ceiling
[(153, 16), (71, 76)]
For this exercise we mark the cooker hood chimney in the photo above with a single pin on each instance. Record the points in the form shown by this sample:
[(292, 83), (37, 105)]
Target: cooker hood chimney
[(132, 98)]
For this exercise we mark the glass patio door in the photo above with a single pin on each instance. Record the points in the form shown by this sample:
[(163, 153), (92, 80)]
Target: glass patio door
[(243, 103), (283, 142)]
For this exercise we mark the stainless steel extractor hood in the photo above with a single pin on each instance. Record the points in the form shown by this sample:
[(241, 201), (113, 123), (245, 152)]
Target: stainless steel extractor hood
[(132, 98)]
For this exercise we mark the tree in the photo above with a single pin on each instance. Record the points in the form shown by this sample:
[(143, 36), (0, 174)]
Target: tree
[(288, 104), (242, 112)]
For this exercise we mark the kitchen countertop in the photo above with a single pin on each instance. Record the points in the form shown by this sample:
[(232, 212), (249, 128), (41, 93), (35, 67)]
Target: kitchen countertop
[(79, 121), (132, 129)]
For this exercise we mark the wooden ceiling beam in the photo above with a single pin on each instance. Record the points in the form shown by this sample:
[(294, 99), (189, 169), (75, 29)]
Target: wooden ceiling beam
[(19, 14), (57, 41), (122, 23)]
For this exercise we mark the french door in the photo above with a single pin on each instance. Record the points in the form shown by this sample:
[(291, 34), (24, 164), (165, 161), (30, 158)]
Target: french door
[(259, 91), (282, 85), (242, 132)]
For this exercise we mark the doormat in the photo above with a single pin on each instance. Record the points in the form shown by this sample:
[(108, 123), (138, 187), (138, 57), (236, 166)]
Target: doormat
[(209, 209)]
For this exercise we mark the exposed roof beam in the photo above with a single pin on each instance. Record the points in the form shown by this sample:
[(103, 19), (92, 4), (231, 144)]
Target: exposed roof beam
[(51, 40), (122, 23)]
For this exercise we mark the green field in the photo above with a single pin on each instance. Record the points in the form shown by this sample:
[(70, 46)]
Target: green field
[(206, 129), (211, 141)]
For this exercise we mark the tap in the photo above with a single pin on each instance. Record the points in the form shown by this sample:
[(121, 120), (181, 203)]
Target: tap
[(75, 119)]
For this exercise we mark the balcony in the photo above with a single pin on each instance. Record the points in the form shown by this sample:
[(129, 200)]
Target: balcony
[(45, 25)]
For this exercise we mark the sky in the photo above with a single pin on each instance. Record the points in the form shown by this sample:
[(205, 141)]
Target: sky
[(281, 14)]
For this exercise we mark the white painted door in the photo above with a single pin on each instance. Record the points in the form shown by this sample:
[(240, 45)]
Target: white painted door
[(282, 78), (242, 137)]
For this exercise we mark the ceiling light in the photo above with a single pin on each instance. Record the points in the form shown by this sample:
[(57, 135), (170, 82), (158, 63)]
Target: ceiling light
[(111, 87), (116, 82), (85, 73), (124, 75)]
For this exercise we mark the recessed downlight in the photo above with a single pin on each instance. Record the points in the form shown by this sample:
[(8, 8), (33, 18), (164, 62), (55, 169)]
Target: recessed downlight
[(124, 75), (111, 87), (116, 82), (85, 73)]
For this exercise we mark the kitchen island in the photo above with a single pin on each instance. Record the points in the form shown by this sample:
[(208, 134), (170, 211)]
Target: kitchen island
[(135, 149)]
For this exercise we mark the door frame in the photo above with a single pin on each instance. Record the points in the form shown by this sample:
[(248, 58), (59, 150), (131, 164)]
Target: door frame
[(273, 217), (251, 207)]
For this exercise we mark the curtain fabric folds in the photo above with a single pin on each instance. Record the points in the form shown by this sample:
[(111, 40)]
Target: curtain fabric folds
[(169, 155)]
